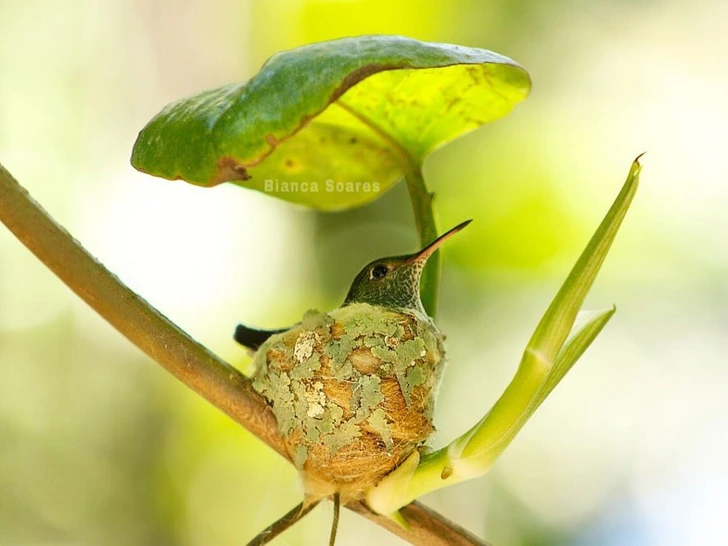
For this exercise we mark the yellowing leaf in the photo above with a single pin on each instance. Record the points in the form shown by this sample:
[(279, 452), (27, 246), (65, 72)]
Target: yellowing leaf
[(331, 125)]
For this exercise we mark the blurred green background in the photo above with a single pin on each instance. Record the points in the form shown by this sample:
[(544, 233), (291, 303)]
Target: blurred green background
[(98, 446)]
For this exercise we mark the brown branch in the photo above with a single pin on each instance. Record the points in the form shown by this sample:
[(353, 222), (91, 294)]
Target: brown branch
[(216, 381), (284, 523), (426, 527)]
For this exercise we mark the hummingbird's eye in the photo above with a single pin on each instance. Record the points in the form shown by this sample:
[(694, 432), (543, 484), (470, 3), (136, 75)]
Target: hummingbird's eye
[(379, 271)]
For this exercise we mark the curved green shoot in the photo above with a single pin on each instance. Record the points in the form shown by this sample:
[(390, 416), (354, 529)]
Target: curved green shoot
[(555, 346)]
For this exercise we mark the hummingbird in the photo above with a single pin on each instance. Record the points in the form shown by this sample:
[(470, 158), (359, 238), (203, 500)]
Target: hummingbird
[(353, 390), (392, 283)]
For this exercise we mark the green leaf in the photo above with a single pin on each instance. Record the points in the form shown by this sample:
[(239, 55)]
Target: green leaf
[(554, 348), (559, 318), (333, 124), (533, 382)]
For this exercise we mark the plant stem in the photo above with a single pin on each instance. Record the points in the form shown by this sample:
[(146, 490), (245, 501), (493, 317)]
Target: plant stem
[(335, 522), (286, 522), (427, 231), (195, 366), (421, 206), (555, 346)]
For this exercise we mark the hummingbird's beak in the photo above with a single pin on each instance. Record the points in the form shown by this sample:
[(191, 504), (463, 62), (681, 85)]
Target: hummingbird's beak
[(429, 250)]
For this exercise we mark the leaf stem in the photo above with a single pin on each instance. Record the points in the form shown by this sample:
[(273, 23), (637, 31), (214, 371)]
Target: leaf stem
[(195, 366), (421, 206), (335, 522), (427, 230)]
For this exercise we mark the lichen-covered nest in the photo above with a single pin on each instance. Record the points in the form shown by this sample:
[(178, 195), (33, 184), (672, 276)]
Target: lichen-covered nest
[(353, 392)]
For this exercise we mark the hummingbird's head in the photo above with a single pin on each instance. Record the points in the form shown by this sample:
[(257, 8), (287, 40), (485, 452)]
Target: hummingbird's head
[(395, 282)]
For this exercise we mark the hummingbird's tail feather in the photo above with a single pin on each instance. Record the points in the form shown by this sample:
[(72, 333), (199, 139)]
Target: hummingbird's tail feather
[(252, 338)]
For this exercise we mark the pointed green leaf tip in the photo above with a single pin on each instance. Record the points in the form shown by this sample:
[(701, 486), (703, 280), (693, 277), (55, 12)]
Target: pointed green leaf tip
[(334, 124), (561, 337)]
